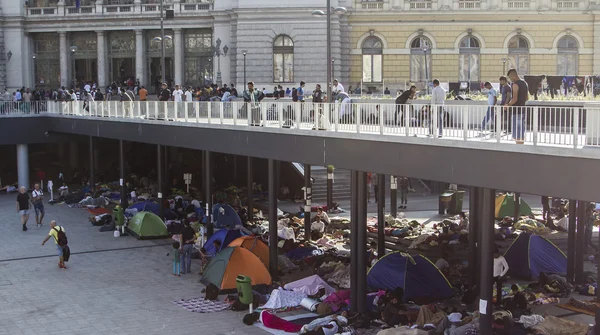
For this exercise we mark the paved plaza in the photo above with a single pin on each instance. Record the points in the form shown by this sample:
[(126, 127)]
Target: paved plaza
[(112, 285)]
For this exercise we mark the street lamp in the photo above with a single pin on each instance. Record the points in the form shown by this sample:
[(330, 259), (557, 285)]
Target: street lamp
[(504, 65), (337, 10), (73, 49), (425, 47), (217, 52), (244, 52), (162, 39)]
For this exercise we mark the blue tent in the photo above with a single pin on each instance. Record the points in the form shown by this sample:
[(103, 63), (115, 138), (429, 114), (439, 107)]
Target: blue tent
[(151, 206), (531, 254), (225, 216), (417, 275), (226, 236)]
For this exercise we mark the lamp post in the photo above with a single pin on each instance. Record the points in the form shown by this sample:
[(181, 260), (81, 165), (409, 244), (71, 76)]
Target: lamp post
[(425, 47), (244, 52), (73, 49), (217, 52), (337, 10), (504, 65), (34, 56)]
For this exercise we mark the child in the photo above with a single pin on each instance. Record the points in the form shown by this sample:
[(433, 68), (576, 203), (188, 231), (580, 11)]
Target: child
[(176, 259)]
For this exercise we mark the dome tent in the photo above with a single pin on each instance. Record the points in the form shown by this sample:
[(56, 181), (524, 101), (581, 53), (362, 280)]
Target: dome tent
[(531, 254), (147, 225), (255, 245), (223, 269), (226, 236)]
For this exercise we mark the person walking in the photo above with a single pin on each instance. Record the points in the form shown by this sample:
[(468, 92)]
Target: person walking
[(401, 104), (505, 97), (187, 238), (60, 239), (516, 105), (405, 186), (37, 196), (438, 96), (23, 205), (490, 113)]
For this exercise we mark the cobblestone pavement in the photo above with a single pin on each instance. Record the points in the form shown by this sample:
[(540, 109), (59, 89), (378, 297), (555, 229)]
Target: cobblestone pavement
[(112, 285)]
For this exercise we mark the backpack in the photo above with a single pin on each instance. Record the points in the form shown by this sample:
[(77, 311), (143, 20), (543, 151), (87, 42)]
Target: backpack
[(294, 94), (61, 239)]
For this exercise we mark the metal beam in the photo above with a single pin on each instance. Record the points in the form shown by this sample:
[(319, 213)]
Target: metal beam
[(361, 237), (92, 182), (517, 207), (330, 172), (393, 195), (124, 202), (353, 238), (474, 203), (380, 215), (249, 185), (571, 241), (273, 238), (487, 262), (307, 202), (208, 193), (160, 181), (580, 248)]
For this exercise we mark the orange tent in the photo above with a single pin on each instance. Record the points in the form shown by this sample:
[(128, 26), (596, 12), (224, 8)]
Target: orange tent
[(230, 262), (254, 244)]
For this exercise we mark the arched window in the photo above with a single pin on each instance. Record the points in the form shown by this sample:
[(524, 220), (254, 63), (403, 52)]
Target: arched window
[(567, 58), (518, 54), (420, 60), (372, 60), (468, 61), (283, 59)]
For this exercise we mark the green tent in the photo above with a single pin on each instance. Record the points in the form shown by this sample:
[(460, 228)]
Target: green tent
[(505, 206), (147, 225)]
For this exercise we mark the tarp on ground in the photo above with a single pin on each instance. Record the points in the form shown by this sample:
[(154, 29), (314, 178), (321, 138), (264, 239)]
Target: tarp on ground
[(225, 216), (505, 206), (151, 206), (255, 245), (223, 269), (417, 275), (226, 236), (310, 285), (147, 225), (531, 254)]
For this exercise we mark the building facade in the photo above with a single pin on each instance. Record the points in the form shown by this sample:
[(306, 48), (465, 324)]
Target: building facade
[(391, 43)]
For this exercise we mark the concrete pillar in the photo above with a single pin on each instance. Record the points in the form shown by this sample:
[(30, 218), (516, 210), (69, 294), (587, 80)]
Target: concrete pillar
[(250, 182), (92, 166), (124, 202), (273, 238), (517, 207), (208, 193), (581, 242), (178, 49), (160, 181), (474, 214), (380, 215), (140, 57), (307, 201), (488, 247), (361, 240), (64, 58), (353, 239), (23, 164), (393, 196), (101, 56), (571, 241), (73, 155)]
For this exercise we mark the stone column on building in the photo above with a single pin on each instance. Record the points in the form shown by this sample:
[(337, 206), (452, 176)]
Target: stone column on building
[(140, 57), (64, 58), (596, 41), (101, 56), (178, 48)]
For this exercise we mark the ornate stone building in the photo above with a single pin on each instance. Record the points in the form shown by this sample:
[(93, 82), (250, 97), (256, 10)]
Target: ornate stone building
[(376, 43)]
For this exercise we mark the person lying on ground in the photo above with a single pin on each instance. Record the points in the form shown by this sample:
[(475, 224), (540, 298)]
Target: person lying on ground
[(271, 321)]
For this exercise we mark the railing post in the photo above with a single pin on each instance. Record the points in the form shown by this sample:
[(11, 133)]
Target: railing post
[(176, 111), (358, 116), (465, 121), (248, 112), (156, 110), (497, 125), (234, 111), (186, 112), (336, 116), (166, 106), (197, 111), (263, 114), (575, 127), (436, 115), (221, 112), (299, 114), (209, 111), (279, 113), (381, 120), (535, 125), (406, 119)]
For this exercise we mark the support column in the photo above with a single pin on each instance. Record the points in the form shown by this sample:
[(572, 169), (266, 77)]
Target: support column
[(101, 56), (124, 202), (249, 184), (64, 59), (168, 181), (361, 236), (208, 193), (517, 207), (330, 169), (571, 241), (580, 249), (353, 238), (91, 153), (307, 202), (23, 165), (474, 203), (159, 179), (140, 57), (487, 261), (393, 196), (272, 220), (380, 215), (74, 155), (178, 46)]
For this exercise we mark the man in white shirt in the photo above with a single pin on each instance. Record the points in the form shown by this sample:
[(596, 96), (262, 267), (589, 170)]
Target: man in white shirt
[(492, 99), (188, 95), (438, 96), (500, 269), (87, 87), (336, 89), (178, 98)]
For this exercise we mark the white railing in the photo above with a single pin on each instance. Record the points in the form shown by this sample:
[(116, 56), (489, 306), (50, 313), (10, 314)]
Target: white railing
[(23, 108), (573, 127), (420, 4), (371, 4), (469, 4), (42, 11), (567, 5), (117, 9), (518, 4)]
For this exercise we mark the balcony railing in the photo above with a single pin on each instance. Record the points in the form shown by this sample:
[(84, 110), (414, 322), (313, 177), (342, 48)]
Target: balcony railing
[(567, 127), (469, 4), (420, 4), (568, 5), (371, 4), (519, 4), (121, 8)]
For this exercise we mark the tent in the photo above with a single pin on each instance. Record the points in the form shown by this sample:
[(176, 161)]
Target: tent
[(310, 285), (146, 225), (531, 254), (151, 206), (223, 269), (417, 275), (505, 206), (255, 245), (225, 216), (226, 236)]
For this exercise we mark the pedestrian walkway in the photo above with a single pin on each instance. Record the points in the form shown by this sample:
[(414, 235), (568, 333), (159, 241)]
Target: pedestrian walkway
[(112, 285)]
